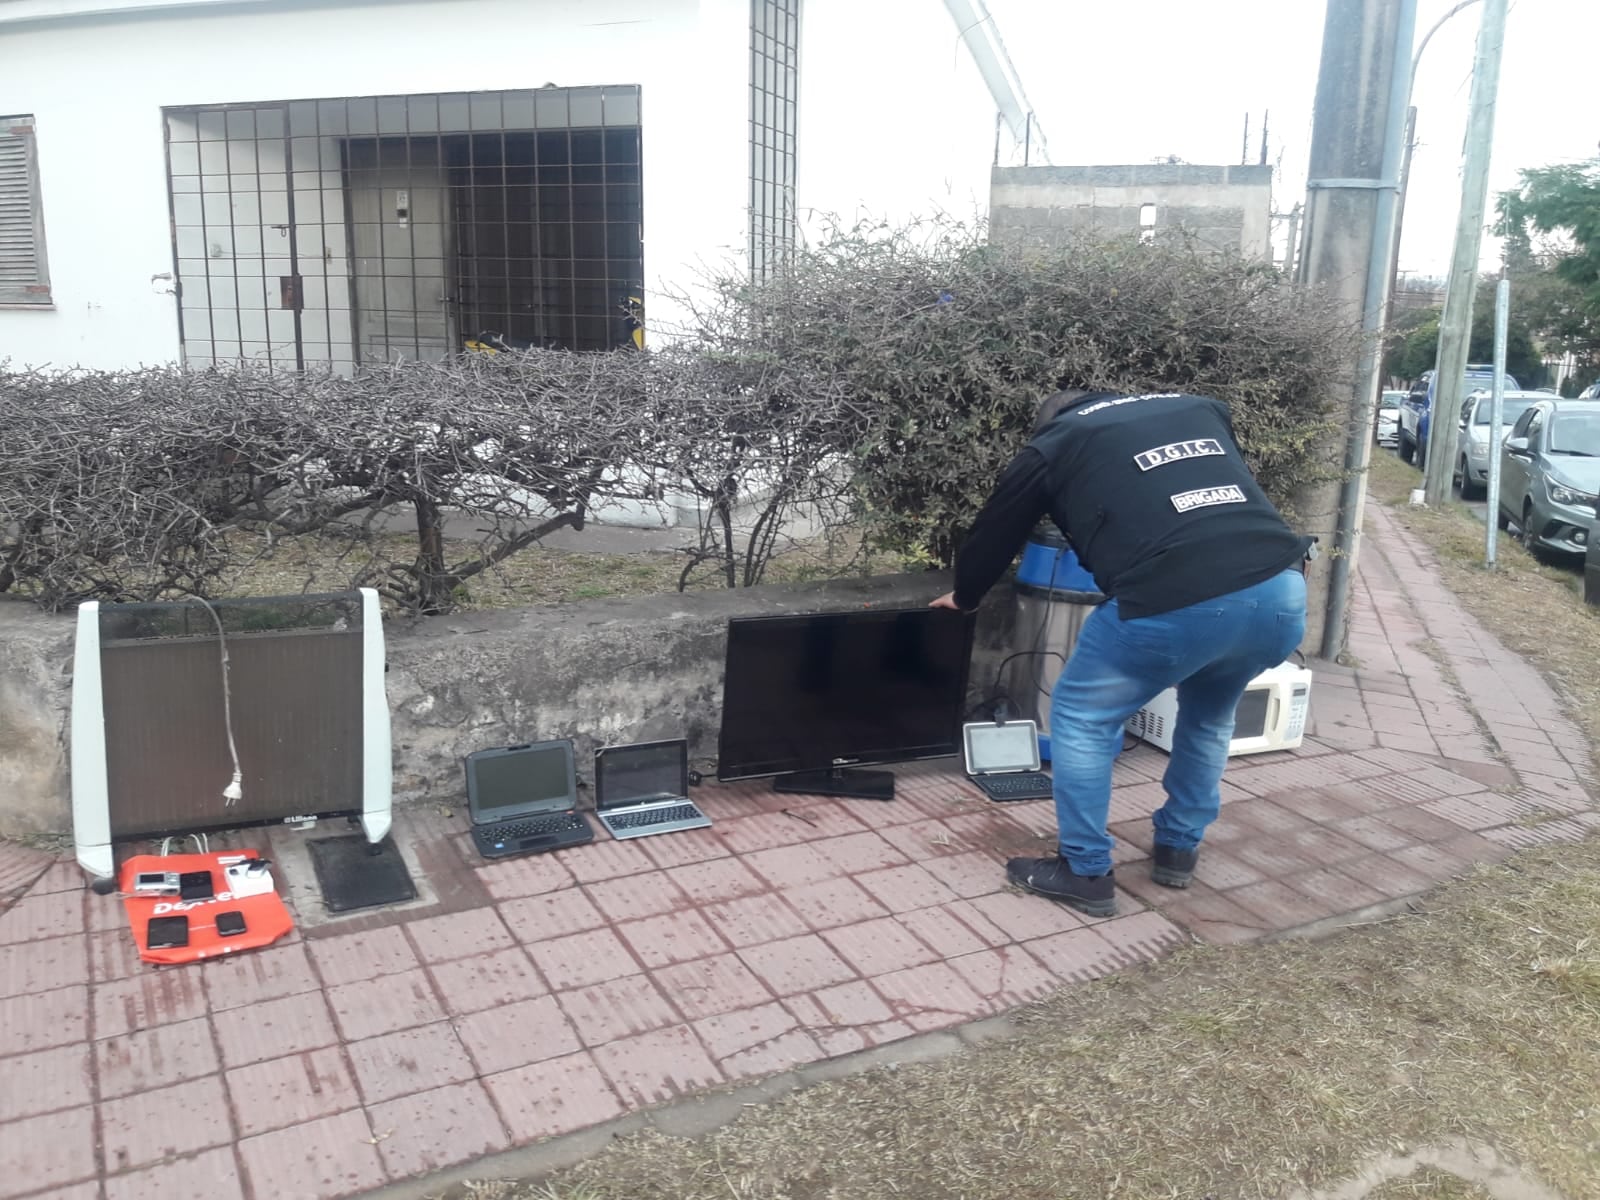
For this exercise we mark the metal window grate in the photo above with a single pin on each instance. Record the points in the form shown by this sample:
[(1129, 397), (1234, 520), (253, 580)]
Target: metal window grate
[(339, 232), (774, 112)]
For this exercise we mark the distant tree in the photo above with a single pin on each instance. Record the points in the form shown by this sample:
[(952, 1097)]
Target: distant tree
[(1414, 341), (1551, 227)]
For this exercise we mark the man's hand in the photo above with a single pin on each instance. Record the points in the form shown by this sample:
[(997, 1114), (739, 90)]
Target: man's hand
[(948, 600)]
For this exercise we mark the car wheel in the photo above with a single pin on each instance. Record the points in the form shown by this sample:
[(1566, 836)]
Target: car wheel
[(1500, 518), (1404, 448), (1525, 532), (1469, 490)]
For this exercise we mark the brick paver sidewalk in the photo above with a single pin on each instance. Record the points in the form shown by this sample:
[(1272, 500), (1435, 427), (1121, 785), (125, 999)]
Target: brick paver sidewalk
[(539, 996)]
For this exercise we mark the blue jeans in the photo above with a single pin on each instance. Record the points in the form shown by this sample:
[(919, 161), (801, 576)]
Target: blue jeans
[(1210, 652)]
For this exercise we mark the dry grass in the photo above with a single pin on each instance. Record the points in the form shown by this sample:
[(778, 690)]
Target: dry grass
[(1429, 1183), (1222, 1073), (1534, 609)]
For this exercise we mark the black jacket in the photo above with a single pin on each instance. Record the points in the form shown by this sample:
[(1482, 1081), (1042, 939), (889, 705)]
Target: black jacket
[(1153, 495)]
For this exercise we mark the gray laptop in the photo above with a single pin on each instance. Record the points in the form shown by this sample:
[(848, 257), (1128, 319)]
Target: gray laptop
[(644, 789), (1002, 758)]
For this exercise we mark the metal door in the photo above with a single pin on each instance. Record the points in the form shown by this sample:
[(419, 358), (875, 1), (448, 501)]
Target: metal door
[(400, 218)]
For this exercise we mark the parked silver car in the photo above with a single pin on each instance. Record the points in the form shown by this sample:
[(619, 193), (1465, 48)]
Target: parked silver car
[(1472, 444), (1550, 474), (1386, 430)]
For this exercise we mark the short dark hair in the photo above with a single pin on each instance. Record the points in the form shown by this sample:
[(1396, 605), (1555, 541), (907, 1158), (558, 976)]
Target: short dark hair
[(1054, 404)]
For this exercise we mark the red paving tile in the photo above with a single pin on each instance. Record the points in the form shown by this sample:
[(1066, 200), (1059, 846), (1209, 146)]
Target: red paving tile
[(413, 1060), (582, 958), (716, 879), (1024, 917), (1278, 905), (384, 1005), (647, 894), (949, 932), (242, 979), (900, 889), (832, 903), (44, 1019), (796, 964), (437, 1129), (675, 937), (37, 917), (517, 1035), (606, 859), (272, 1028), (709, 986), (292, 1090), (40, 966), (45, 1153), (1213, 917), (657, 1066), (212, 1175), (968, 874), (930, 997), (459, 935), (689, 846), (1339, 891), (1140, 937), (851, 1016), (354, 957), (1006, 976), (44, 1081), (540, 918), (553, 1097), (879, 946), (858, 852), (532, 875), (1393, 879), (754, 920), (154, 998), (757, 1041), (154, 1125), (332, 1156), (499, 977), (618, 1008), (113, 956), (151, 1058)]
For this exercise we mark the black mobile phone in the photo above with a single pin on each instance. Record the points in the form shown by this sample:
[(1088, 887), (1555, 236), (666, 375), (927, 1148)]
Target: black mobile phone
[(165, 933), (195, 885), (230, 923)]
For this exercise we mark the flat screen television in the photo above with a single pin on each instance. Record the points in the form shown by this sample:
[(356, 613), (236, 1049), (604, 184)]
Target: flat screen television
[(809, 698)]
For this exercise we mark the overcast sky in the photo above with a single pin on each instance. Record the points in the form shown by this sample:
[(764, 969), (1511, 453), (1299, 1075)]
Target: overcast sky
[(1128, 82)]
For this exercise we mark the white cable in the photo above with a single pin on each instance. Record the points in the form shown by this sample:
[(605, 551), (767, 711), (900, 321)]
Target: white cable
[(234, 792)]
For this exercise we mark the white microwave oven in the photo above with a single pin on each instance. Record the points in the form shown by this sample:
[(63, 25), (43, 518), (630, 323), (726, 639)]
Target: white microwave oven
[(1271, 714)]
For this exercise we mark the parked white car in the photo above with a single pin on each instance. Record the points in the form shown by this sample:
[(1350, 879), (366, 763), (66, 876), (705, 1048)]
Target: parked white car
[(1472, 447), (1387, 429)]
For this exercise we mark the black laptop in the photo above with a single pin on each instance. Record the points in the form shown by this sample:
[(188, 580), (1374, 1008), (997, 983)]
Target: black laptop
[(524, 799)]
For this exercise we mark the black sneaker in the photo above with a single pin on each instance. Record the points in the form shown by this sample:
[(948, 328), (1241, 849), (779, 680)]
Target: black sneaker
[(1053, 878), (1173, 868)]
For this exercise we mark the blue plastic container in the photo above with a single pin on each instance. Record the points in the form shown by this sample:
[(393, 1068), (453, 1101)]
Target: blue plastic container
[(1048, 562)]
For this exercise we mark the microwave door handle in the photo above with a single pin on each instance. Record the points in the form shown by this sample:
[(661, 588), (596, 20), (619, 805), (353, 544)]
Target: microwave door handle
[(1274, 704)]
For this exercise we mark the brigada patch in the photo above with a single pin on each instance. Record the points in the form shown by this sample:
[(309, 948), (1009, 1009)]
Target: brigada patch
[(1206, 497)]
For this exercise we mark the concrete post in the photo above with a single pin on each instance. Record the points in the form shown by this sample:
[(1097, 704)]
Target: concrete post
[(1455, 326), (1357, 141)]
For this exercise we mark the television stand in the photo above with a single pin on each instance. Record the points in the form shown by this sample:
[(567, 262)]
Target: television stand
[(840, 781)]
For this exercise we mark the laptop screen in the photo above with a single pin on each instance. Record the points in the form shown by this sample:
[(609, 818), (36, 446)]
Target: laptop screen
[(1013, 746), (648, 771), (530, 779)]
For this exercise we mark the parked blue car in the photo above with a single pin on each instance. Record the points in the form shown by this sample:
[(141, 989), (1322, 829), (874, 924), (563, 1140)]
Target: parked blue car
[(1413, 442)]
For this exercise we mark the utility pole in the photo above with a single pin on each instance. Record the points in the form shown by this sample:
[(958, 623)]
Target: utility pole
[(1357, 140), (1455, 326)]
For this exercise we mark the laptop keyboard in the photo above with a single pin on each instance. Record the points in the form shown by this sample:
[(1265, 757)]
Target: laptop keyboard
[(653, 816), (1026, 786), (538, 827)]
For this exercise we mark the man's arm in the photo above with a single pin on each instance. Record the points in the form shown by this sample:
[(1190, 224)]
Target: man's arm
[(1020, 498)]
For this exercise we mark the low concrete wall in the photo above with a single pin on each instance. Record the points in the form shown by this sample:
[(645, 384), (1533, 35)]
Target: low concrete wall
[(599, 671)]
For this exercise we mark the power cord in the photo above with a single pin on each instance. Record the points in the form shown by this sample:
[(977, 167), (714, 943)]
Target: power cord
[(234, 792)]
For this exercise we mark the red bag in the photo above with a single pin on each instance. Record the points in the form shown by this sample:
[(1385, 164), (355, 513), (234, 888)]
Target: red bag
[(265, 917)]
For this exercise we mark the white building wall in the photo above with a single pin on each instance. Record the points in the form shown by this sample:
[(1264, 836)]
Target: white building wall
[(97, 87)]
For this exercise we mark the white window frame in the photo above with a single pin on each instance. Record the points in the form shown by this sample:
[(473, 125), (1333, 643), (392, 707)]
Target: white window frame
[(33, 290)]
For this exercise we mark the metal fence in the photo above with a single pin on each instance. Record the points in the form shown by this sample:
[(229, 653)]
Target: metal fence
[(774, 109), (343, 231)]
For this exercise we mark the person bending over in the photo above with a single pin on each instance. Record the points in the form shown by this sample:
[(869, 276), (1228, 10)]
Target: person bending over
[(1206, 589)]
